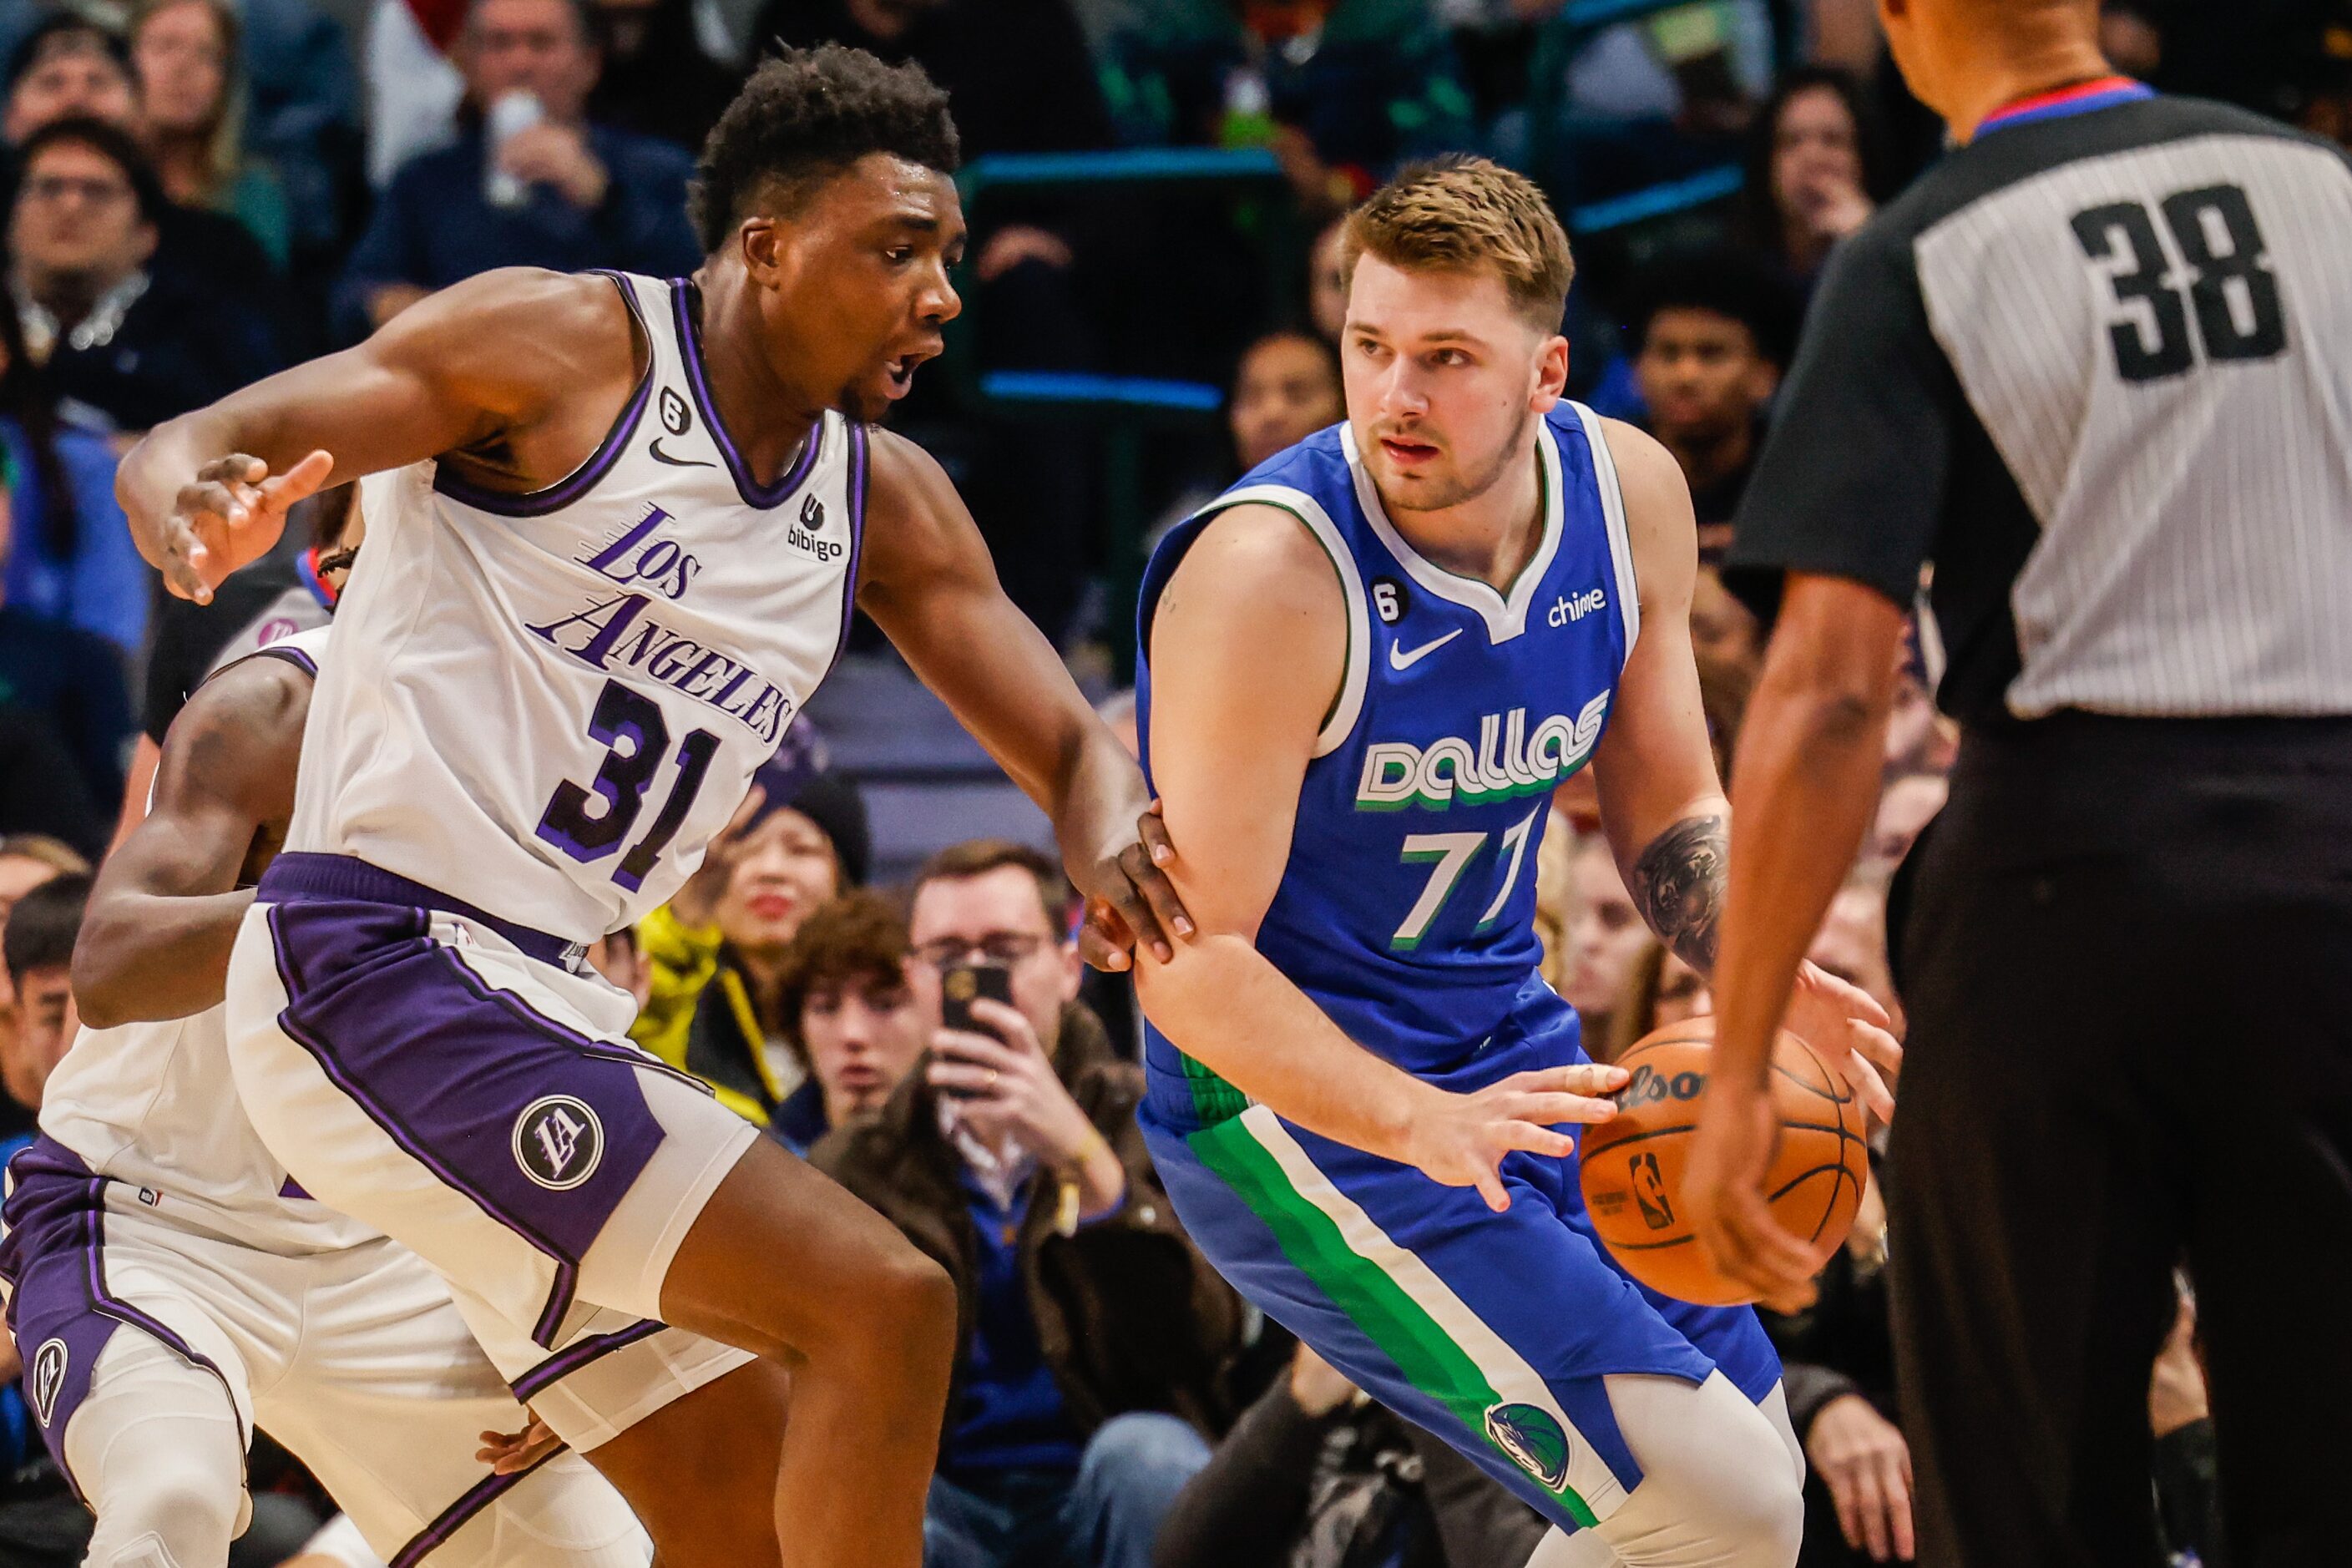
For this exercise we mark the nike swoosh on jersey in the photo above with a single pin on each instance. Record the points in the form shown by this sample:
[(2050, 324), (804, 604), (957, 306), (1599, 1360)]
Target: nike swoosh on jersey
[(652, 449), (1400, 658)]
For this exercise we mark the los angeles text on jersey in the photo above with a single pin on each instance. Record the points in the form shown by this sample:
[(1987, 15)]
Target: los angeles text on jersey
[(624, 631), (1508, 761)]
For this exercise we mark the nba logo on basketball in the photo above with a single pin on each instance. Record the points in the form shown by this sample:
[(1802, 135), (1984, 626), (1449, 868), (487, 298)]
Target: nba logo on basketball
[(558, 1141), (48, 1379), (1650, 1192)]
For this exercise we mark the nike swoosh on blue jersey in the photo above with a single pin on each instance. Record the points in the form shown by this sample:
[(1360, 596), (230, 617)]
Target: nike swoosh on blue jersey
[(1399, 659)]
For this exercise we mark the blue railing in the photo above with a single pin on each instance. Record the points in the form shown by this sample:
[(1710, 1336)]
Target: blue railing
[(1142, 394), (1121, 408), (1660, 200), (1142, 165)]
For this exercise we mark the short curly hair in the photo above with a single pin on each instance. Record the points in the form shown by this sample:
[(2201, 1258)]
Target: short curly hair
[(860, 938), (806, 115)]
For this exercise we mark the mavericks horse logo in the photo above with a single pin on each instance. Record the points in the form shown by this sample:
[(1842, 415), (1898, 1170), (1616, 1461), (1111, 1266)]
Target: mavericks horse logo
[(558, 1141), (1533, 1439), (48, 1379)]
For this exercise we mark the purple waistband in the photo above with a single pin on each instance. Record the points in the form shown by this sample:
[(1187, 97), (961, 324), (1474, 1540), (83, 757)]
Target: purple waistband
[(297, 875)]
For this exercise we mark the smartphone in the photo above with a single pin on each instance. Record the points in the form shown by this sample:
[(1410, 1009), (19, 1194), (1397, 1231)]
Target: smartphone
[(514, 111), (960, 985)]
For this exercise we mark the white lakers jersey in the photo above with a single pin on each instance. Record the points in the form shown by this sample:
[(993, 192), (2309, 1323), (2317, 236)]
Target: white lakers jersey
[(153, 1106), (544, 705)]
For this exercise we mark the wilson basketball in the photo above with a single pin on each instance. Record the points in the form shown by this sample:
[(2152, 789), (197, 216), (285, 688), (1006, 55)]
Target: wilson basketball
[(1633, 1164)]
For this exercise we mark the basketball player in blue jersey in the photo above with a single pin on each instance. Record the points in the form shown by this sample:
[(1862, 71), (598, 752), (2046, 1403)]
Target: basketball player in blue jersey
[(1367, 667), (630, 520)]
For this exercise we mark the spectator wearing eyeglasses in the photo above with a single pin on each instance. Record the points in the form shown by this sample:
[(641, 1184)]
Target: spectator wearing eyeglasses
[(69, 67), (113, 332), (717, 1004), (1095, 1341)]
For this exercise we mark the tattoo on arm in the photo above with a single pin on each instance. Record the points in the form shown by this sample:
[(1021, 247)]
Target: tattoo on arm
[(1678, 883)]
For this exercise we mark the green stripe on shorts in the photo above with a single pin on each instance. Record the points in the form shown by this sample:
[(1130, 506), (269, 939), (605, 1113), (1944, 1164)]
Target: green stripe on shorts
[(1214, 1099), (1432, 1360)]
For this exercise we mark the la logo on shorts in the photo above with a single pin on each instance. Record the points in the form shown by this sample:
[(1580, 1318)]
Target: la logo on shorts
[(558, 1141), (1534, 1440), (48, 1380)]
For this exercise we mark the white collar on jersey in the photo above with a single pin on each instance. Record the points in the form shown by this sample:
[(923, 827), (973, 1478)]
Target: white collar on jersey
[(1506, 615)]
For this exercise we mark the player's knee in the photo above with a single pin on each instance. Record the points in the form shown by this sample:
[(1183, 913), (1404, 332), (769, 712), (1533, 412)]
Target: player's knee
[(179, 1513), (915, 1310), (1751, 1500), (562, 1515), (1716, 1488), (904, 1321), (1765, 1513)]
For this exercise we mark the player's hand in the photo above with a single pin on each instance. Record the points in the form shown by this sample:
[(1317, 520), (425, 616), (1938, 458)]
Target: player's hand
[(1723, 1191), (1851, 1033), (696, 903), (510, 1453), (1130, 899), (1462, 1140), (229, 517), (1863, 1459)]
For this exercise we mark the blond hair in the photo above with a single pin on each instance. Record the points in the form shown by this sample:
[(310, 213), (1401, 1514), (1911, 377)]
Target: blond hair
[(224, 151), (1462, 214)]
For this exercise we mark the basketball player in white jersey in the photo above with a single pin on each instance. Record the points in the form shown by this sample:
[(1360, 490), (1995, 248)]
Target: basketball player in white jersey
[(630, 524), (170, 1293)]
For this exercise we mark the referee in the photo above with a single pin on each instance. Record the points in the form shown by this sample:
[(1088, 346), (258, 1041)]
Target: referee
[(2092, 375)]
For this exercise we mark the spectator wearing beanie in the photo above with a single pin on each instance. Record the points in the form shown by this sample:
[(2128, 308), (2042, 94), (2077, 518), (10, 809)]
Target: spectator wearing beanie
[(717, 949)]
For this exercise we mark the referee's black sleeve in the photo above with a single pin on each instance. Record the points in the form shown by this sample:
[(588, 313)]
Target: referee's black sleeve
[(1851, 480)]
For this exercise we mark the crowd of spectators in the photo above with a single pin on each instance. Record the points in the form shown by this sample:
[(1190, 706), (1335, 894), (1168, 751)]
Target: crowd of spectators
[(199, 192)]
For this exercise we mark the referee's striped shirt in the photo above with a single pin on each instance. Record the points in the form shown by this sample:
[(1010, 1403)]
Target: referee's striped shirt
[(2096, 368)]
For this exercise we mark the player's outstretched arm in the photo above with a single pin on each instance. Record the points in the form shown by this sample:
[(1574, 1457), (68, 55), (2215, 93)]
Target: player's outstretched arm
[(1662, 806), (1248, 643), (1661, 803), (475, 367), (927, 580), (1810, 756), (165, 911)]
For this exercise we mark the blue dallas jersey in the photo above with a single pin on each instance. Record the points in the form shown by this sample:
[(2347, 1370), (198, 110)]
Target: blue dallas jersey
[(1407, 908)]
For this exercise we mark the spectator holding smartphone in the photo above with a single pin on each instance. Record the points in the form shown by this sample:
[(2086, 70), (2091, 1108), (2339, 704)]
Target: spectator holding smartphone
[(1095, 1341)]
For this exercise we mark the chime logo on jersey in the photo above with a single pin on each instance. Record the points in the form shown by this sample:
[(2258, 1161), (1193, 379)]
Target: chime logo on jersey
[(1532, 1436), (558, 1141), (1509, 759), (48, 1379)]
